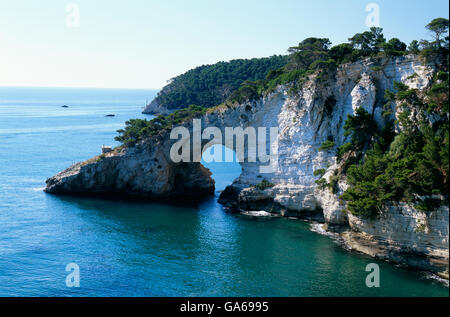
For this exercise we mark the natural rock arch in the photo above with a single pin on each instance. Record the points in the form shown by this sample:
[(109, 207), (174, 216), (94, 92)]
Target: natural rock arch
[(305, 120)]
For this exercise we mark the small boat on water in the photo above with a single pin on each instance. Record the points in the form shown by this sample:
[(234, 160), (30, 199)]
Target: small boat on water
[(110, 115), (64, 106)]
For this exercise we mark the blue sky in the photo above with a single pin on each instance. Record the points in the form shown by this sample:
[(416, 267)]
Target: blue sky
[(143, 43)]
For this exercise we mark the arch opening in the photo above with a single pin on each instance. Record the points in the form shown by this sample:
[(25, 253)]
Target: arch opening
[(223, 172)]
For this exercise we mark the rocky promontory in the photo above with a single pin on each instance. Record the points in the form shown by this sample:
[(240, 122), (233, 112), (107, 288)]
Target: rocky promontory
[(143, 171), (305, 119)]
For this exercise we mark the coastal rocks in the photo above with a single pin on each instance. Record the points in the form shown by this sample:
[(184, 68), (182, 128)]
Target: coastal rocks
[(257, 213), (333, 208), (394, 252), (155, 109), (142, 171), (247, 199), (403, 234), (305, 119), (415, 230), (311, 116)]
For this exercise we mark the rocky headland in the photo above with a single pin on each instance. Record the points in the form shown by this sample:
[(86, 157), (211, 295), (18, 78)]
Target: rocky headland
[(305, 118)]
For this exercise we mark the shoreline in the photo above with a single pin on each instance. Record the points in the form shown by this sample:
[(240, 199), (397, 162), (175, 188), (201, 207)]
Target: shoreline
[(344, 243)]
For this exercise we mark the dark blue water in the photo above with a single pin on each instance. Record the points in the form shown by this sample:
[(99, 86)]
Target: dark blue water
[(148, 249)]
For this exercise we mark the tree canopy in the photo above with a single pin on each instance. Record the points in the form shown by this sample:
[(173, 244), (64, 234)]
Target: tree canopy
[(381, 164), (438, 26), (243, 79), (210, 85)]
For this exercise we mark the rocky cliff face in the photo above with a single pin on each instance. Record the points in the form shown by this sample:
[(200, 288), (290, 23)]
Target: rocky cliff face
[(154, 108), (404, 235), (305, 119), (309, 118), (144, 171)]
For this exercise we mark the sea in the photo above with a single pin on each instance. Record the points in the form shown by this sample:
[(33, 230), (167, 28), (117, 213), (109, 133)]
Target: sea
[(137, 248)]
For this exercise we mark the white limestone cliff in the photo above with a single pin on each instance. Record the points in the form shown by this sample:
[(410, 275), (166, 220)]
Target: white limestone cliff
[(305, 123), (305, 119)]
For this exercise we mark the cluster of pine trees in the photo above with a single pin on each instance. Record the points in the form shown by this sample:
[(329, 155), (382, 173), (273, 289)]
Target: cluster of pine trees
[(380, 165), (139, 129), (412, 165), (317, 55), (210, 85)]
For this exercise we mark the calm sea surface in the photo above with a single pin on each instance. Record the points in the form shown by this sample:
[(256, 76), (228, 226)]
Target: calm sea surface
[(148, 249)]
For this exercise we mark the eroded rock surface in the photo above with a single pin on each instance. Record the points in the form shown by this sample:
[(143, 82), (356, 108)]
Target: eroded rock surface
[(305, 119), (143, 171)]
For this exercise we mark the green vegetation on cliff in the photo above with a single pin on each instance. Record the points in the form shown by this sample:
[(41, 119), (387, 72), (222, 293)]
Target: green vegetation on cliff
[(138, 129), (246, 79), (411, 165), (405, 160), (210, 85), (316, 55), (264, 184)]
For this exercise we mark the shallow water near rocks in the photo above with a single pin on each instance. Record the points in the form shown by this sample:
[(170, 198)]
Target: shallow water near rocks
[(126, 248)]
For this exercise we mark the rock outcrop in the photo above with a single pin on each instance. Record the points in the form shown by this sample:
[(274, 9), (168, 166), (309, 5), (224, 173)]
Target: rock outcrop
[(305, 119), (144, 171), (154, 108), (404, 235)]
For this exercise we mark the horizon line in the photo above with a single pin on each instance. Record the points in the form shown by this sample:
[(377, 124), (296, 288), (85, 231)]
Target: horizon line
[(79, 87)]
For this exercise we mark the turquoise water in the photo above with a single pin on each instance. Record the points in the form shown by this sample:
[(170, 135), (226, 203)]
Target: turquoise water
[(148, 249)]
